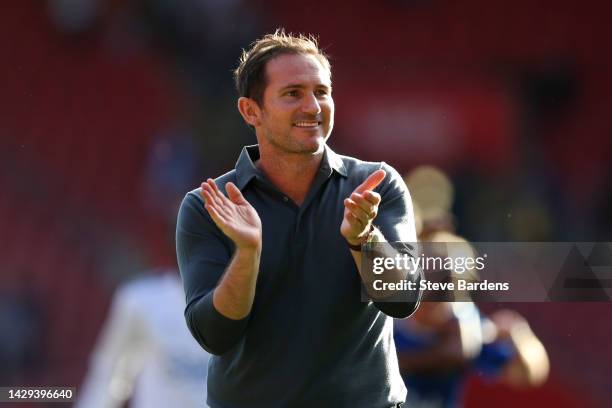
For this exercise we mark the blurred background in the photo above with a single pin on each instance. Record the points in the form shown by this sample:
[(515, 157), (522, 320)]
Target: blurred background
[(111, 110)]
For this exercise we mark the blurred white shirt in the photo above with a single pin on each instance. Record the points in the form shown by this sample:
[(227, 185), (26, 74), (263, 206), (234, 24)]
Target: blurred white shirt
[(145, 351)]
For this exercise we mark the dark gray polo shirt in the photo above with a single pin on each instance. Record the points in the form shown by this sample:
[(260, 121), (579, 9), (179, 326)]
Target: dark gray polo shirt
[(309, 340)]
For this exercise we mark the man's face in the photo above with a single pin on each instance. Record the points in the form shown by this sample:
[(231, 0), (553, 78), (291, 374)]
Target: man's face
[(297, 113)]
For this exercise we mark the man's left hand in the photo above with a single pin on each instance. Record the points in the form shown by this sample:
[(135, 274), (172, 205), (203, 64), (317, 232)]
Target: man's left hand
[(360, 209)]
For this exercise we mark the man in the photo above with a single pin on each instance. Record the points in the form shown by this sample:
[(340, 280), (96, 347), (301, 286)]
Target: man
[(272, 269)]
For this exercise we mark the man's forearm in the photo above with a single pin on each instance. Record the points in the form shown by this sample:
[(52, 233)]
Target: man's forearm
[(390, 276), (233, 296)]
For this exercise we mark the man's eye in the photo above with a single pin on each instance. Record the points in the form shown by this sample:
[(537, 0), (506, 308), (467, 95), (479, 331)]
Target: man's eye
[(292, 93), (321, 92)]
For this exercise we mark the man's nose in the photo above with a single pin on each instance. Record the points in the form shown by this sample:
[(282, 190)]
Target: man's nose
[(310, 104)]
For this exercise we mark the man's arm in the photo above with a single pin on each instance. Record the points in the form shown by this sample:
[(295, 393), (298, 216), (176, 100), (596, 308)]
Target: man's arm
[(234, 295), (219, 285), (361, 209), (239, 221)]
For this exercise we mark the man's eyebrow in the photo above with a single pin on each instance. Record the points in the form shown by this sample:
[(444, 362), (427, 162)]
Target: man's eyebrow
[(302, 86)]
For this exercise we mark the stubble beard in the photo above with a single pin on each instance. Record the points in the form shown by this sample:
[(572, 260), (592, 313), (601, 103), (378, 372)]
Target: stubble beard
[(289, 145)]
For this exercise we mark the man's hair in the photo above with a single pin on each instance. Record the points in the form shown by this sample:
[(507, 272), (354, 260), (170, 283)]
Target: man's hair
[(250, 75)]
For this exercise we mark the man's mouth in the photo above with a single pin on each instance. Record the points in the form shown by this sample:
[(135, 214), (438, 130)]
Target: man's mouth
[(306, 124)]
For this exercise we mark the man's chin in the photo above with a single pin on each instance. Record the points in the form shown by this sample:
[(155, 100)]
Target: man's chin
[(313, 143), (303, 144), (313, 146)]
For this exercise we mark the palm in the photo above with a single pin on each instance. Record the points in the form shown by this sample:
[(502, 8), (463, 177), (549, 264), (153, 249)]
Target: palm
[(243, 226), (234, 216)]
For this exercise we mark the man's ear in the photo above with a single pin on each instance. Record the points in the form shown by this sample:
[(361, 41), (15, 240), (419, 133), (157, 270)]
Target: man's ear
[(250, 111)]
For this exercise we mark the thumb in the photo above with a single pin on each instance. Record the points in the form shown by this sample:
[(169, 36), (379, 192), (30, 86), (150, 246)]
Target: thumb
[(372, 181), (234, 193)]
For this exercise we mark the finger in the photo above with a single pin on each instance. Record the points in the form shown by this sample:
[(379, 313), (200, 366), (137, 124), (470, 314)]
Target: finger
[(234, 194), (372, 181), (215, 215), (210, 200), (206, 193), (213, 187), (221, 200), (372, 196), (212, 196), (217, 192), (357, 211), (370, 209), (202, 190), (222, 209)]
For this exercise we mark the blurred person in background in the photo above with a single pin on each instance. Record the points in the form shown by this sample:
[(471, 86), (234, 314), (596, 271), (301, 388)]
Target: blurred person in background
[(22, 324), (272, 266), (145, 353), (445, 342)]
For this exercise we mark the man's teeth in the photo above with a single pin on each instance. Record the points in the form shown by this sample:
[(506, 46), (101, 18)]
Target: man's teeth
[(306, 124)]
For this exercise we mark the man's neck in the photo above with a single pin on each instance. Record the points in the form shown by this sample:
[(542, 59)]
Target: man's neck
[(292, 174)]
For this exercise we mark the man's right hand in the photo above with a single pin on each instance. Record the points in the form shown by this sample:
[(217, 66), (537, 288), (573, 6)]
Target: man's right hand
[(234, 216)]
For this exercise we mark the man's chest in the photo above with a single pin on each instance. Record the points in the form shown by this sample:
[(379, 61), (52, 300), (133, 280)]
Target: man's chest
[(302, 246)]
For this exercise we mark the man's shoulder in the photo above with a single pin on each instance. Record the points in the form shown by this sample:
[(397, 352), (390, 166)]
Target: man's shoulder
[(354, 165), (220, 181), (225, 178), (361, 168)]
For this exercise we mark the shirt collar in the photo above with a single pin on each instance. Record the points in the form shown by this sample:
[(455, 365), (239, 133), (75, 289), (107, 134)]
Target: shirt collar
[(245, 166), (333, 161), (246, 169)]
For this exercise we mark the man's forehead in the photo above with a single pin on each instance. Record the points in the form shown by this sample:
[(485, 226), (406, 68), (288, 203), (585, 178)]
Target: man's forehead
[(296, 69)]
